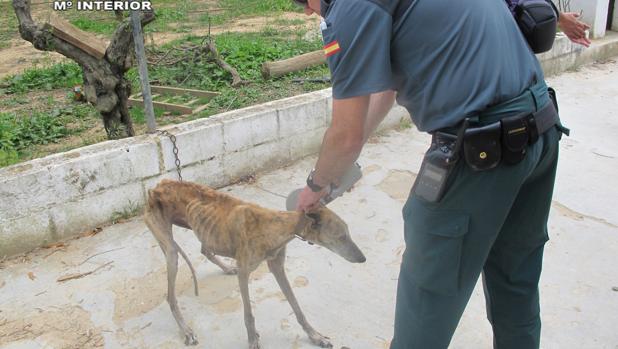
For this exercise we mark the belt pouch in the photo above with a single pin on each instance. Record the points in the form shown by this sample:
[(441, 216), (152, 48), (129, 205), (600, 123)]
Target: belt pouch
[(515, 137), (482, 147), (437, 166)]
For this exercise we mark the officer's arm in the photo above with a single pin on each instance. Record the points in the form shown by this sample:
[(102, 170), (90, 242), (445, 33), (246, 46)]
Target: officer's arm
[(379, 105), (343, 140)]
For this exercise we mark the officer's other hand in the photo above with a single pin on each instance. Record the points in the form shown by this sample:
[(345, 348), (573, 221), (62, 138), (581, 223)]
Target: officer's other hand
[(574, 29), (309, 200)]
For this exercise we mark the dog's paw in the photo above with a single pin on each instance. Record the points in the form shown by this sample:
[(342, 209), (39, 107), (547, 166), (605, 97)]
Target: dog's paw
[(190, 339), (255, 344), (321, 341)]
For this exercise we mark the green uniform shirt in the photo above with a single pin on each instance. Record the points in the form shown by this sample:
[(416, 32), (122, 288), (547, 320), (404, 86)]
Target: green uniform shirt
[(447, 59)]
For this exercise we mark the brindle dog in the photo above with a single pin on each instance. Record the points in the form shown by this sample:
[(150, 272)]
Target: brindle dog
[(246, 232)]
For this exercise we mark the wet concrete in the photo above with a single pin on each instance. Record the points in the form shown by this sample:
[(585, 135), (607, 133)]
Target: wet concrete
[(122, 305)]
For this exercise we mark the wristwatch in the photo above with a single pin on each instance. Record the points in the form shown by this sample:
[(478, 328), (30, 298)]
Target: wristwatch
[(314, 187)]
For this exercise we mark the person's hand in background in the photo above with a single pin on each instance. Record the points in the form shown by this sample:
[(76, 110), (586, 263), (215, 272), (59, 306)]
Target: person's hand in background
[(574, 29)]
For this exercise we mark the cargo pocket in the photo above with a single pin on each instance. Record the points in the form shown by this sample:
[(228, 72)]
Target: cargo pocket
[(434, 240)]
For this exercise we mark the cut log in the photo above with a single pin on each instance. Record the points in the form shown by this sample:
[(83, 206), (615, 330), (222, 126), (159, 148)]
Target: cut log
[(279, 68), (77, 37)]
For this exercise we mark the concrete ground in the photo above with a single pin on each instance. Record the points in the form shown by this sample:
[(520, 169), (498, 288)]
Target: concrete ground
[(122, 304)]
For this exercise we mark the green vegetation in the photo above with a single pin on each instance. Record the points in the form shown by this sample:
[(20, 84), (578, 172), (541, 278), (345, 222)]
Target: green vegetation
[(131, 210), (38, 115), (60, 75), (19, 133), (244, 51), (97, 26)]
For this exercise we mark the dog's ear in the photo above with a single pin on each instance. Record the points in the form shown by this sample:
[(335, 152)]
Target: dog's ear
[(314, 217)]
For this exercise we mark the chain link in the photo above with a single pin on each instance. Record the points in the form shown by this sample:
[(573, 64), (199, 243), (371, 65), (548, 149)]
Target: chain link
[(174, 150)]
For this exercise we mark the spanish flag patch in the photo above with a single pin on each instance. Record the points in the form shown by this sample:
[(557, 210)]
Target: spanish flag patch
[(331, 48)]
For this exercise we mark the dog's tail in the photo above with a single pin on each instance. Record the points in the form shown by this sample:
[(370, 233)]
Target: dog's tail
[(182, 253)]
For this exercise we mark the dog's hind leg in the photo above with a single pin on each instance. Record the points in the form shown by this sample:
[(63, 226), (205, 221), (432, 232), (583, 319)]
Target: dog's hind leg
[(227, 269), (162, 231), (243, 281), (277, 268)]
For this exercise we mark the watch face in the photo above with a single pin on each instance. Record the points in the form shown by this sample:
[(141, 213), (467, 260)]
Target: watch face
[(314, 187)]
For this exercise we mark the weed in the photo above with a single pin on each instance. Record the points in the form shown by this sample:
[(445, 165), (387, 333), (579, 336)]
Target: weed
[(59, 75), (131, 210), (97, 26), (405, 123)]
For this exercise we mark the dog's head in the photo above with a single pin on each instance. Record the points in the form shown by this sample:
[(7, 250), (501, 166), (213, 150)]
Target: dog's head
[(326, 229)]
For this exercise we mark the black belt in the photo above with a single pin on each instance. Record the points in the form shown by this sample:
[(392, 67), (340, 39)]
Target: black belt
[(506, 140)]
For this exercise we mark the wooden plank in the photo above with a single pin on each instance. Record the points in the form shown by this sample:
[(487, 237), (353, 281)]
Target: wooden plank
[(183, 91), (200, 108), (193, 101), (165, 106), (77, 37)]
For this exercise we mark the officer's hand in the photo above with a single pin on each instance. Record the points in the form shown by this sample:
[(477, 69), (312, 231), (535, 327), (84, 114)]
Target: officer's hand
[(574, 29), (309, 200)]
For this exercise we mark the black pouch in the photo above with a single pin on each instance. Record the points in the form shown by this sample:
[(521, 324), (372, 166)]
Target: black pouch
[(438, 164), (515, 138), (436, 168), (482, 147), (537, 20)]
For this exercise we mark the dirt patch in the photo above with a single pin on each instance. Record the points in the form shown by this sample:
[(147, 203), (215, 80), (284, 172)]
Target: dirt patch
[(33, 101), (141, 295), (301, 281), (135, 297), (397, 184), (370, 169), (21, 55), (381, 236), (68, 327), (244, 25)]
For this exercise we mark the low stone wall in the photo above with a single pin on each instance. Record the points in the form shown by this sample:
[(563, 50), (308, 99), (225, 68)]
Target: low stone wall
[(566, 55), (62, 195)]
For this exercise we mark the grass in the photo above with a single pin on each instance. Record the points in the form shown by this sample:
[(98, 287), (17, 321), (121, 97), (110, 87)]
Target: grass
[(131, 210), (33, 126), (19, 133), (61, 75), (104, 26), (246, 52)]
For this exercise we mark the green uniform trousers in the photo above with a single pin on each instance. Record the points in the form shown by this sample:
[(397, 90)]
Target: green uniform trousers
[(491, 222)]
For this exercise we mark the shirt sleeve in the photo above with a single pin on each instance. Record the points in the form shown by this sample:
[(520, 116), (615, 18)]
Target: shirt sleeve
[(357, 36)]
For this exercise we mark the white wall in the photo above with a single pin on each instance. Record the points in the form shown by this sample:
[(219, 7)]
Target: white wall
[(595, 14), (615, 18)]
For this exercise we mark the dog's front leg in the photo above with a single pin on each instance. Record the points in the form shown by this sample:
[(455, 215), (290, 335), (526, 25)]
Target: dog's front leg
[(243, 281), (277, 268)]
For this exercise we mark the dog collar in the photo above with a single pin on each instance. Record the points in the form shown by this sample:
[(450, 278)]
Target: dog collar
[(303, 239)]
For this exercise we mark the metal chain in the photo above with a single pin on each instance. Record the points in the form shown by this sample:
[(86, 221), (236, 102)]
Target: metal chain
[(174, 150)]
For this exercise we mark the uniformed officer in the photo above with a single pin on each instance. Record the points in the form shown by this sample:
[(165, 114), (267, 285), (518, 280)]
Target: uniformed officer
[(447, 61)]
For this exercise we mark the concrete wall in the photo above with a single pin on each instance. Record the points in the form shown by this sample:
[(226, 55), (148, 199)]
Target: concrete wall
[(615, 18), (565, 55), (62, 195), (594, 13)]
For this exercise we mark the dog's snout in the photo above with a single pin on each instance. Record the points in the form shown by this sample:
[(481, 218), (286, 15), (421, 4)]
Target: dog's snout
[(362, 259)]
